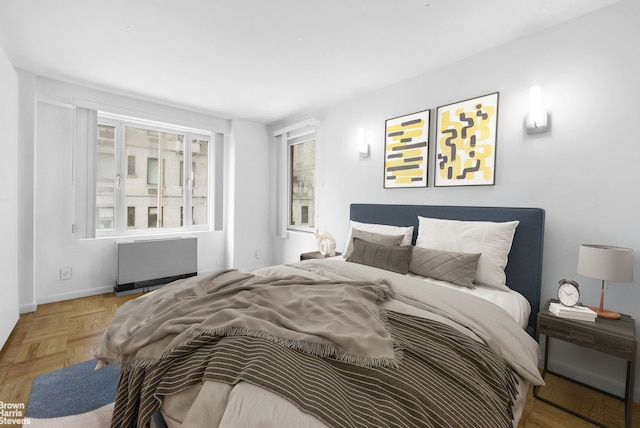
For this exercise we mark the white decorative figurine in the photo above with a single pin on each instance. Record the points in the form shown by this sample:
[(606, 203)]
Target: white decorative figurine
[(326, 244)]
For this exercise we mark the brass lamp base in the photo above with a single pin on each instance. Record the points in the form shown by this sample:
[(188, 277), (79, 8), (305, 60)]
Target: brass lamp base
[(603, 313)]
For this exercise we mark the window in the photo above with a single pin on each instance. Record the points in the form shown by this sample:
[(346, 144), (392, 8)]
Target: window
[(193, 172), (152, 217), (199, 177), (122, 189), (152, 171), (131, 166), (297, 181), (105, 217), (105, 186), (302, 161), (131, 216)]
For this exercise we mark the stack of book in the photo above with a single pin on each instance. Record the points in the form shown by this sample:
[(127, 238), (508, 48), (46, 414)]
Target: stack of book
[(581, 313)]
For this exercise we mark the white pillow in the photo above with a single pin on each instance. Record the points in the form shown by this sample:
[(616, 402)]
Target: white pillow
[(491, 239), (382, 229)]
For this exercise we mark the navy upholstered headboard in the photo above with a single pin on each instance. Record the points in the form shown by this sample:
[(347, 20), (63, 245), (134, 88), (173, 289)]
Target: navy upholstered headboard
[(524, 269)]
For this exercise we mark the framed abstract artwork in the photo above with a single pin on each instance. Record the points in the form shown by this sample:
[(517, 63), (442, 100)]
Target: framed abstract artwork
[(406, 150), (465, 153)]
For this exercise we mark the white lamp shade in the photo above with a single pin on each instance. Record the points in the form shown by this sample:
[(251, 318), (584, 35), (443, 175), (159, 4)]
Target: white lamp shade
[(606, 262)]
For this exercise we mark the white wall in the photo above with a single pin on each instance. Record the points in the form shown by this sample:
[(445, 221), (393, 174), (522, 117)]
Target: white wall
[(50, 163), (583, 172), (249, 237), (8, 198)]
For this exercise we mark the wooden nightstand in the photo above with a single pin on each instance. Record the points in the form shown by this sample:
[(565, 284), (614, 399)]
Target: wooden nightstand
[(314, 255), (612, 337)]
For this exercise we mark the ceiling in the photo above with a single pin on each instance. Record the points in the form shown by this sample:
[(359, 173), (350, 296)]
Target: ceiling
[(262, 60)]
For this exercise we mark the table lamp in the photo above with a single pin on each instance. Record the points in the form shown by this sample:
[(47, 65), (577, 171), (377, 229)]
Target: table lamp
[(607, 263)]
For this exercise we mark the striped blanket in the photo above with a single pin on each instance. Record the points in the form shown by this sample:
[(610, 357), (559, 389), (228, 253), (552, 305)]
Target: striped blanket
[(445, 379)]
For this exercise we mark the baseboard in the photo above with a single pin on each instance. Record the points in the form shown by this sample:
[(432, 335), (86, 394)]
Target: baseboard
[(75, 294), (29, 307)]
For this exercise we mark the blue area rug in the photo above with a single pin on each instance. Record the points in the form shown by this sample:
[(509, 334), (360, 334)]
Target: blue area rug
[(72, 390)]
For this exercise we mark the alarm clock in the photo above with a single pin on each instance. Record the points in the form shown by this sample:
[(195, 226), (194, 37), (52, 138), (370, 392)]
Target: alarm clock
[(568, 292)]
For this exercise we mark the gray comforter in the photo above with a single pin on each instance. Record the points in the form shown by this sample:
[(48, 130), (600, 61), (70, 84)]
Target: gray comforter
[(321, 342)]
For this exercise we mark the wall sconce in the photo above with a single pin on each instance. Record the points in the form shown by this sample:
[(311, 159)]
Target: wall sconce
[(363, 146), (537, 120)]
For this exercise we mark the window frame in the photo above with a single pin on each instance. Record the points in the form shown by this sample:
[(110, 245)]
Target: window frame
[(120, 176), (297, 133), (291, 143)]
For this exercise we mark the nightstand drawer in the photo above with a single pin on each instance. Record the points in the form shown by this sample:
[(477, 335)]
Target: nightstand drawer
[(588, 337), (613, 337)]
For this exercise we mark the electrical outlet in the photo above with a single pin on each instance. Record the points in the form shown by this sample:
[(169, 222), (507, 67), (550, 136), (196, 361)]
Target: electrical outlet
[(65, 273), (257, 254)]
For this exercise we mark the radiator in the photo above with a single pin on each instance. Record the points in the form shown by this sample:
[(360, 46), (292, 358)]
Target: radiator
[(151, 263)]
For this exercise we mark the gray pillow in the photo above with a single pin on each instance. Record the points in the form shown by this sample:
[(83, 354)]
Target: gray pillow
[(395, 259), (376, 238), (457, 268)]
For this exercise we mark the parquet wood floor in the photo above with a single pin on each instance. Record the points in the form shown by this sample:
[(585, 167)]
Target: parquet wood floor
[(599, 407), (65, 333), (56, 335)]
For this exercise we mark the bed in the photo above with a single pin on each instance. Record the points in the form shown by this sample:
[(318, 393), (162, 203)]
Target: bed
[(383, 337)]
